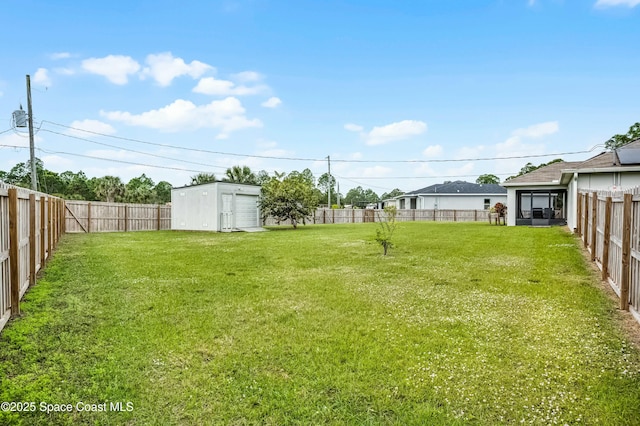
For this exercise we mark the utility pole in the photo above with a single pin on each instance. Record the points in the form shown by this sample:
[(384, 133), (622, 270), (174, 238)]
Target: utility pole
[(338, 193), (329, 191), (34, 176)]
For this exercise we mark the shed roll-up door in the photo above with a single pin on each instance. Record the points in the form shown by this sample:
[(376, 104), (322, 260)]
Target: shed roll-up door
[(246, 211)]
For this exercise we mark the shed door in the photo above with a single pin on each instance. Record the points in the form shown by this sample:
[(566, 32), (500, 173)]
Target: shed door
[(246, 211), (226, 216)]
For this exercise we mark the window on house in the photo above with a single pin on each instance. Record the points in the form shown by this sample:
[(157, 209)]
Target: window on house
[(401, 204), (487, 203), (413, 203)]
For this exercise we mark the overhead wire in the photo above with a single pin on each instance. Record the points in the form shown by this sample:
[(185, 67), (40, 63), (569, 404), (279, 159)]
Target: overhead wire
[(133, 150), (512, 157)]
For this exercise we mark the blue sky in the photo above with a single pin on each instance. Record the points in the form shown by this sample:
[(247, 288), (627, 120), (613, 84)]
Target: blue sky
[(398, 93)]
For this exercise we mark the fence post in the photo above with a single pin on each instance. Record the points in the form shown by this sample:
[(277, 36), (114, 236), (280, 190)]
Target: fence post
[(607, 238), (333, 216), (88, 218), (594, 224), (126, 217), (579, 216), (585, 228), (32, 239), (626, 252), (14, 264), (158, 217), (475, 215), (63, 215), (49, 226), (43, 221)]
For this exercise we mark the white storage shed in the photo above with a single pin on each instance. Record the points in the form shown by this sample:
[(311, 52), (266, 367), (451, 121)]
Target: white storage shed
[(216, 206)]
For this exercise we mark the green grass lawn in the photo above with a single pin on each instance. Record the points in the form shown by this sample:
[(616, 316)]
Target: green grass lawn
[(460, 324)]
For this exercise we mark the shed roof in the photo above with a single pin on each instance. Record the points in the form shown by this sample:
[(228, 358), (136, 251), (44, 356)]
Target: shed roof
[(460, 187)]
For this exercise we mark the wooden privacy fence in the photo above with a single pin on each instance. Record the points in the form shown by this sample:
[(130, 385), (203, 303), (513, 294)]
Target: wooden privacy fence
[(31, 224), (330, 216), (609, 226), (93, 216)]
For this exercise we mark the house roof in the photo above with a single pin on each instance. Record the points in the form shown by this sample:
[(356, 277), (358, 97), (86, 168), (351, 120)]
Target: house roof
[(460, 187), (552, 174)]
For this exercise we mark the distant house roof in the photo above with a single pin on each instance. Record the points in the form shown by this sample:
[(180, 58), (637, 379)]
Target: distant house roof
[(459, 187)]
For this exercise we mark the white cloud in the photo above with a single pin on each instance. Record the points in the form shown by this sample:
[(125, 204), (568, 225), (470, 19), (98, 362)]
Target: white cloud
[(60, 55), (537, 130), (395, 132), (164, 67), (353, 127), (227, 115), (272, 102), (213, 86), (611, 3), (14, 140), (278, 152), (64, 71), (41, 77), (94, 126), (247, 77), (115, 68), (56, 162), (432, 151)]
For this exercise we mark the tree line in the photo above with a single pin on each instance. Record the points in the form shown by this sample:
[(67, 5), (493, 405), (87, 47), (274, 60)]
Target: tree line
[(142, 189)]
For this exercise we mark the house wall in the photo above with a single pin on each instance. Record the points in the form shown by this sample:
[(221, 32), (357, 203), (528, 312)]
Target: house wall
[(608, 181), (199, 207), (458, 202)]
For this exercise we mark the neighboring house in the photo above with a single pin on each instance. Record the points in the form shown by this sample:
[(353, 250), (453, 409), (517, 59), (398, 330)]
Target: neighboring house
[(216, 206), (549, 195), (458, 195)]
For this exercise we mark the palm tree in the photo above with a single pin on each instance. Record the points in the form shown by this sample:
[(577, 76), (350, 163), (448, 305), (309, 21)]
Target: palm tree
[(241, 174), (109, 188), (201, 178)]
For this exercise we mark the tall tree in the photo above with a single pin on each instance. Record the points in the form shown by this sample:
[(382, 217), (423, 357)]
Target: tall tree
[(77, 186), (240, 174), (488, 178), (109, 188), (288, 198), (616, 141), (140, 190), (394, 193), (163, 192), (327, 182), (360, 197), (201, 178)]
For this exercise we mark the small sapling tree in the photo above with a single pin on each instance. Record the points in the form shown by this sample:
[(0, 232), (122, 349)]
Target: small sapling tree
[(386, 227)]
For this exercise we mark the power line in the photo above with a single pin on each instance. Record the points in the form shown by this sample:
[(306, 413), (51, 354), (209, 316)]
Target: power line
[(133, 150), (452, 160), (105, 159)]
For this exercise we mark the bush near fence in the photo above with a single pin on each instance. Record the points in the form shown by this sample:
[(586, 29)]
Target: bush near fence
[(31, 224), (609, 226), (330, 216)]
